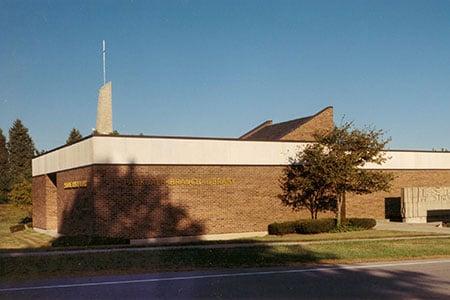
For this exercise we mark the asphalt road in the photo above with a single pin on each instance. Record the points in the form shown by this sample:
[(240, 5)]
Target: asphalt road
[(428, 279)]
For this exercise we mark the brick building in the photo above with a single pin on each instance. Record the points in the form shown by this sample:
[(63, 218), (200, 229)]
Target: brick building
[(146, 187)]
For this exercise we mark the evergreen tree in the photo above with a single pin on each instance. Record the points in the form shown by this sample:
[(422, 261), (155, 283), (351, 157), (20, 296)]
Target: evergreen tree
[(20, 193), (115, 133), (74, 136), (21, 150), (4, 168)]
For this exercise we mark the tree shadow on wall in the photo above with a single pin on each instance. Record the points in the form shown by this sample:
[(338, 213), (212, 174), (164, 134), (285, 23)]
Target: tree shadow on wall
[(125, 201)]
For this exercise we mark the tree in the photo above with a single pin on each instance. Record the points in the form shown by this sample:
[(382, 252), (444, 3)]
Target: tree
[(325, 172), (349, 149), (74, 136), (21, 150), (20, 193), (4, 168), (40, 152), (305, 183)]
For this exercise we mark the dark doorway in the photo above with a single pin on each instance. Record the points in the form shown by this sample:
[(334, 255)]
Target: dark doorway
[(392, 209), (52, 177), (438, 215)]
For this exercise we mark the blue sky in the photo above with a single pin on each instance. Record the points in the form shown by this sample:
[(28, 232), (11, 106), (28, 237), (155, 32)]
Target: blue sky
[(218, 68)]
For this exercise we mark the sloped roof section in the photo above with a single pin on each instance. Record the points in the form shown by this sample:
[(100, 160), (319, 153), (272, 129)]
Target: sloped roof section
[(271, 132), (277, 131)]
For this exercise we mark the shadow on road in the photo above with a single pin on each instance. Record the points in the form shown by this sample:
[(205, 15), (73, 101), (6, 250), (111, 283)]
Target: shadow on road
[(427, 281), (326, 284)]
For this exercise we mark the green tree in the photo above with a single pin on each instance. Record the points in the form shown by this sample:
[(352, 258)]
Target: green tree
[(348, 149), (74, 136), (21, 150), (324, 173), (20, 193), (4, 169), (306, 183)]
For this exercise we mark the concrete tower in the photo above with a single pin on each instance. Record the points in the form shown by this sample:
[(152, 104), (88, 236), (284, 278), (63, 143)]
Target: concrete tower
[(104, 109)]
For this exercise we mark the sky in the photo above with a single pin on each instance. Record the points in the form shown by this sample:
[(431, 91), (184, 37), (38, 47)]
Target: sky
[(219, 68)]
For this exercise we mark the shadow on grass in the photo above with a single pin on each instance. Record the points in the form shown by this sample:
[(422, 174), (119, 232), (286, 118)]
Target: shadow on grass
[(157, 261)]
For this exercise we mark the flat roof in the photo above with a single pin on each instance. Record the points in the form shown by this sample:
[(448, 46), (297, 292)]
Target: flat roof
[(162, 150), (217, 139)]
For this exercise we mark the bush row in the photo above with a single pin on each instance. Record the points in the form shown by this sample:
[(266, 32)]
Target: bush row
[(318, 225), (86, 240), (363, 223)]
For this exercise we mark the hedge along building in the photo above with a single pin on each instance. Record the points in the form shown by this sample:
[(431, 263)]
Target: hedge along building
[(146, 187)]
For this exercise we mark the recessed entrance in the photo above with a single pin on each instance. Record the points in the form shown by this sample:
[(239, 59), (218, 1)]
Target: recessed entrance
[(392, 209)]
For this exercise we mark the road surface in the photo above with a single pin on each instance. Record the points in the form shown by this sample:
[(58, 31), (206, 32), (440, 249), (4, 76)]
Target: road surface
[(427, 279)]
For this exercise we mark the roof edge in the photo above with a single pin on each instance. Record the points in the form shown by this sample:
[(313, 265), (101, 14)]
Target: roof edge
[(310, 117), (256, 129), (307, 118), (64, 146)]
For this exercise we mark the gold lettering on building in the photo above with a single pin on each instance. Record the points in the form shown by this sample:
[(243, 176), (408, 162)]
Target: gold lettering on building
[(75, 184), (200, 181)]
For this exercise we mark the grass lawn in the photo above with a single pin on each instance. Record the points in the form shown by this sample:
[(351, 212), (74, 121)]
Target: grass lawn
[(363, 234), (31, 240), (27, 268), (11, 215)]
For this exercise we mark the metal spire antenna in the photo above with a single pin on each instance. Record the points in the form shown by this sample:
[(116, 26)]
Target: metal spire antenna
[(104, 62)]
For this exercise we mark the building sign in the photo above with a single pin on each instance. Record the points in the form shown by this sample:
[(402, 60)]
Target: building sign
[(417, 202), (200, 181), (175, 181), (75, 184)]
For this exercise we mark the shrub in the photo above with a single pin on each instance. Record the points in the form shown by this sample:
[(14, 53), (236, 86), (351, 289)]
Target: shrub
[(3, 199), (363, 223), (282, 228), (316, 226), (320, 226), (16, 228), (20, 193), (87, 240), (302, 226), (27, 220)]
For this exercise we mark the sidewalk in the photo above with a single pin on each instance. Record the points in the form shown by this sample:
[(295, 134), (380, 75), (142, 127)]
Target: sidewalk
[(398, 226), (207, 246)]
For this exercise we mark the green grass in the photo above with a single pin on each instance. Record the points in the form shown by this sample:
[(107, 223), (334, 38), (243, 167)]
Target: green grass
[(25, 268), (30, 240), (363, 234), (10, 215)]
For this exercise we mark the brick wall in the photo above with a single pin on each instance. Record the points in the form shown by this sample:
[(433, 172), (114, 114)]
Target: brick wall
[(39, 203), (138, 202), (372, 205), (44, 197), (76, 211), (320, 123), (159, 201), (51, 195)]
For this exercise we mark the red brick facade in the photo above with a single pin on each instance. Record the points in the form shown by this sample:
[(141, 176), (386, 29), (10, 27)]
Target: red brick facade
[(373, 205), (44, 197), (160, 201)]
